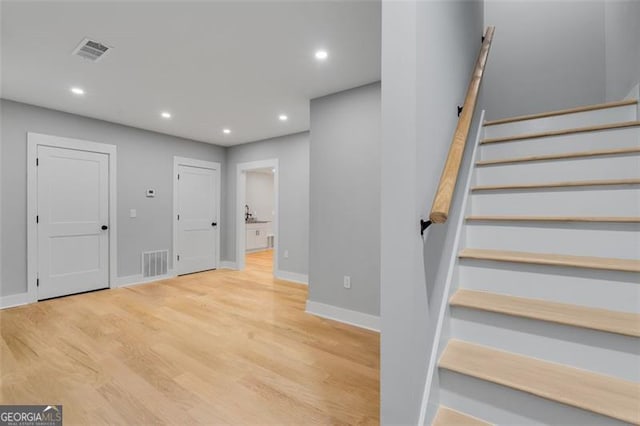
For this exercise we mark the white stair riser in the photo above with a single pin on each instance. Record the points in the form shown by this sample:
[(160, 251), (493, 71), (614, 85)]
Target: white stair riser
[(577, 286), (578, 347), (585, 168), (610, 139), (568, 121), (601, 240), (504, 406), (581, 201)]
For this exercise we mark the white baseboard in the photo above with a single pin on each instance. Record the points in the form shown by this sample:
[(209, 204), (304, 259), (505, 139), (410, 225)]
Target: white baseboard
[(24, 298), (226, 264), (13, 300), (139, 279), (359, 319), (292, 276)]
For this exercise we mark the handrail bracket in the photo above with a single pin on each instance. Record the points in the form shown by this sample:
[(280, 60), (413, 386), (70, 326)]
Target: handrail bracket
[(424, 224)]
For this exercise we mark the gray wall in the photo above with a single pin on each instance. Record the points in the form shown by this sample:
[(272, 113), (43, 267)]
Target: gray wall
[(293, 155), (622, 30), (345, 199), (428, 52), (145, 160), (546, 55)]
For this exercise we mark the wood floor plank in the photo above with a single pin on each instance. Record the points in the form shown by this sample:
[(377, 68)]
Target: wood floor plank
[(600, 394), (562, 112), (625, 323), (216, 347), (448, 417), (589, 262), (562, 132)]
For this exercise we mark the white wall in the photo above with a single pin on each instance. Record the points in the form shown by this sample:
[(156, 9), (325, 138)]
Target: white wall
[(292, 153), (546, 55), (145, 160), (622, 31), (345, 200), (428, 52), (260, 195)]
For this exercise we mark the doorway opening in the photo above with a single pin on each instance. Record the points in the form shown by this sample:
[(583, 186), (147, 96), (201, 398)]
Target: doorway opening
[(257, 216)]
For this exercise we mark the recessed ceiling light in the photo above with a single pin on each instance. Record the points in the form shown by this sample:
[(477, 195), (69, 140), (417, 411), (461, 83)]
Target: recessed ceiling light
[(226, 131), (77, 91), (165, 114), (322, 55), (283, 117)]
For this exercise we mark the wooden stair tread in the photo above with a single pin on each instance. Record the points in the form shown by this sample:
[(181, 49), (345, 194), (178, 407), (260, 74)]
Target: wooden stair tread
[(568, 155), (609, 396), (561, 132), (624, 323), (596, 219), (567, 184), (588, 262), (448, 417), (562, 112)]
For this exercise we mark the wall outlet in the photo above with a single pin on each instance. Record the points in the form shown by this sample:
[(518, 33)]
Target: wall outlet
[(286, 254), (133, 213), (347, 281)]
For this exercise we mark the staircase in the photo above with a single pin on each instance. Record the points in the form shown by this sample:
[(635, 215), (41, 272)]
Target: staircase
[(543, 319)]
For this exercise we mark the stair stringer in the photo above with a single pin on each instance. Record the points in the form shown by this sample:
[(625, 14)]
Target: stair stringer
[(430, 398)]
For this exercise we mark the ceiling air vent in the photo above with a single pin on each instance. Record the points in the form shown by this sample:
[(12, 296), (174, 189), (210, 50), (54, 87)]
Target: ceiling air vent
[(91, 49)]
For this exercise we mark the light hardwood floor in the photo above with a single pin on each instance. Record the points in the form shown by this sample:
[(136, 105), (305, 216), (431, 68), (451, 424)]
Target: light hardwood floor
[(219, 347)]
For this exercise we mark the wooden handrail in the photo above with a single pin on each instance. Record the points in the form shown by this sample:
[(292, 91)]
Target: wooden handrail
[(444, 195)]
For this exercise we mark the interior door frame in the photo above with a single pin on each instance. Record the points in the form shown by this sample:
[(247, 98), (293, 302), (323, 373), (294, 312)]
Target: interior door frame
[(34, 140), (241, 195), (215, 166)]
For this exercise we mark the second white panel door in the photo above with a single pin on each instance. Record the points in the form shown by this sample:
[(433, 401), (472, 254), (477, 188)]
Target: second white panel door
[(197, 219)]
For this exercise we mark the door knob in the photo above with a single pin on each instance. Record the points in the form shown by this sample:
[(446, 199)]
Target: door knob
[(214, 223), (105, 227)]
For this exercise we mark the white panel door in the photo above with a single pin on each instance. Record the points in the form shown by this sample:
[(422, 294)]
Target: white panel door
[(73, 220), (197, 219)]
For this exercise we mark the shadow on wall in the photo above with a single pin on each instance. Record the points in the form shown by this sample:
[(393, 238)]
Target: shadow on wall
[(432, 256)]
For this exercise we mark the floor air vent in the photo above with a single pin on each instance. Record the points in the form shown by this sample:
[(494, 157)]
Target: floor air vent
[(91, 49), (154, 263)]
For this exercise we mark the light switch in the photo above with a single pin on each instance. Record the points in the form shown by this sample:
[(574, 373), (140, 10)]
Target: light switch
[(133, 213)]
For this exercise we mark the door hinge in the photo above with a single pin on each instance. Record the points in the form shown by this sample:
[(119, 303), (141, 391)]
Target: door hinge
[(37, 282), (178, 217), (37, 161), (178, 176), (178, 257), (37, 219)]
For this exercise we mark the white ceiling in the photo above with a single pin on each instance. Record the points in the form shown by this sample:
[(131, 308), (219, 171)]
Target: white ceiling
[(212, 64)]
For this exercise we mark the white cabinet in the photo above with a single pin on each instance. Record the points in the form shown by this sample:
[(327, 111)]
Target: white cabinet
[(256, 236)]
